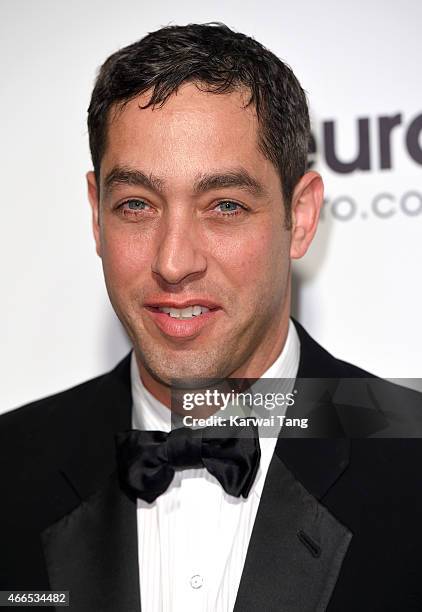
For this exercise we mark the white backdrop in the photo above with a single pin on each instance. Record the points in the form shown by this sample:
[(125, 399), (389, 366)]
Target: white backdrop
[(358, 291)]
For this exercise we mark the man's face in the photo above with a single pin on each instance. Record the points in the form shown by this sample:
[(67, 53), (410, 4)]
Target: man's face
[(192, 225)]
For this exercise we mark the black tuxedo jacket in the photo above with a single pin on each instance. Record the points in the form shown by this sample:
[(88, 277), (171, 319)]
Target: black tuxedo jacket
[(339, 526)]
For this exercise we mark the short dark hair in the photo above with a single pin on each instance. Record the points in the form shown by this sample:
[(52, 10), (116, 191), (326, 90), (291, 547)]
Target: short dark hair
[(218, 60)]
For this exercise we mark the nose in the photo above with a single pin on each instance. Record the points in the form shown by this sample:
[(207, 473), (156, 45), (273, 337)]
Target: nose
[(179, 253)]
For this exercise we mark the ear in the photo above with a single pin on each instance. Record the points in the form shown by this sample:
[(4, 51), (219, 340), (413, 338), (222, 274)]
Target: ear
[(307, 201), (93, 196)]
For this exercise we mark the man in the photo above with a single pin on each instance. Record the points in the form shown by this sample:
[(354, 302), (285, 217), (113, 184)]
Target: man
[(200, 199)]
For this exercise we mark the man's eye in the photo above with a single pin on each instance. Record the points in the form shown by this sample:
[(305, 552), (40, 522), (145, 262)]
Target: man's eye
[(135, 205), (227, 206)]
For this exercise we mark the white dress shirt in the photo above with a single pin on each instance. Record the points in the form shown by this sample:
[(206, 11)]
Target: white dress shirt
[(193, 539)]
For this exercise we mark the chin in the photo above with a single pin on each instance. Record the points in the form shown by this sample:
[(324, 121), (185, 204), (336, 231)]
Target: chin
[(175, 369)]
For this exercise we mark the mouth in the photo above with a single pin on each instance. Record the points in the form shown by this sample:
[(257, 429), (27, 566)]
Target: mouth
[(182, 313), (182, 320)]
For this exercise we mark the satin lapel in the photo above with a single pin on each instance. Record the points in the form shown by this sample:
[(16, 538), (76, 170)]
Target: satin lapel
[(296, 549), (92, 552)]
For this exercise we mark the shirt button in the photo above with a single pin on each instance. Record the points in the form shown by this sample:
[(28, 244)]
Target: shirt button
[(196, 581)]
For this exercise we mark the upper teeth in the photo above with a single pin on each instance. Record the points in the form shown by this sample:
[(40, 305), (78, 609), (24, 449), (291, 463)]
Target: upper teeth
[(185, 313)]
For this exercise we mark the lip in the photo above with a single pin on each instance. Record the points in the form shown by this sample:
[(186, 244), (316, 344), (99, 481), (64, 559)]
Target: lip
[(181, 328), (172, 303)]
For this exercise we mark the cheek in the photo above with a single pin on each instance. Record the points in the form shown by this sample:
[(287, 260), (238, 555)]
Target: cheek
[(259, 258), (125, 257)]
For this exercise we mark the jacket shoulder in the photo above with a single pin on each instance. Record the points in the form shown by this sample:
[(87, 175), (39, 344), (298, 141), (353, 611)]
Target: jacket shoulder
[(317, 362), (42, 409), (64, 411), (71, 432)]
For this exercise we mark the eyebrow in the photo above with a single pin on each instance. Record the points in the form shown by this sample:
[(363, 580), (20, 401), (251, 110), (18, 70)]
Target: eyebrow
[(238, 177), (120, 175)]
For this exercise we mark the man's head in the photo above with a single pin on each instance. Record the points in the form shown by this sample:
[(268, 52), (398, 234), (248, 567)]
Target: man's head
[(200, 196), (218, 60)]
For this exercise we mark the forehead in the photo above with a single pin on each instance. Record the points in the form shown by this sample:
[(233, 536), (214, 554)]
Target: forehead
[(192, 129)]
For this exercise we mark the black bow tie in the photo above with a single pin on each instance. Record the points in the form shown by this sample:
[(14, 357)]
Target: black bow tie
[(147, 460)]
